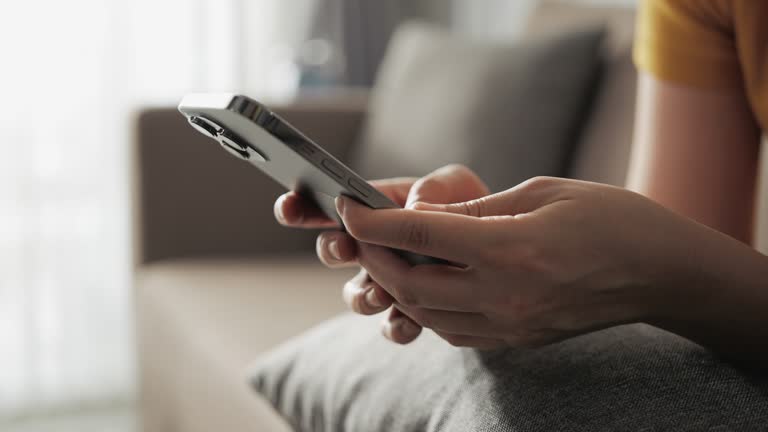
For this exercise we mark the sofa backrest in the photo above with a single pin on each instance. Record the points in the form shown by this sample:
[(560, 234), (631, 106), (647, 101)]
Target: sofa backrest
[(191, 199), (602, 153)]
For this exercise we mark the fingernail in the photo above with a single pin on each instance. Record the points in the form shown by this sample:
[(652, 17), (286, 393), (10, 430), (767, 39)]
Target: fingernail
[(372, 299), (279, 209), (340, 205), (333, 248)]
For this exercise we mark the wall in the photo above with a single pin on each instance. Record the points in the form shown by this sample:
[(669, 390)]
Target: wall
[(502, 18)]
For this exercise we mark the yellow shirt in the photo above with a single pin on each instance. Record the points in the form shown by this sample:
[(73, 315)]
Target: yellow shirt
[(707, 43)]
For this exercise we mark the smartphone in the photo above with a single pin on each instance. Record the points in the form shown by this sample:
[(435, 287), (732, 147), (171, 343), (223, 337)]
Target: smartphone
[(249, 131)]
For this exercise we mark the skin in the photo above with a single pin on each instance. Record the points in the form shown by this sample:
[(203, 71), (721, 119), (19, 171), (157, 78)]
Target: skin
[(450, 184), (553, 258), (696, 152)]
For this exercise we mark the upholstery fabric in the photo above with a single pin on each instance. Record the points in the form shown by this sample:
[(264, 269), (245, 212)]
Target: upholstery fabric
[(510, 110), (201, 322), (343, 376), (602, 154)]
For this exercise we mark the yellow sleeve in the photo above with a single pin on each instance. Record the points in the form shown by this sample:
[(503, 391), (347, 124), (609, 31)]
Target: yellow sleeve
[(688, 42)]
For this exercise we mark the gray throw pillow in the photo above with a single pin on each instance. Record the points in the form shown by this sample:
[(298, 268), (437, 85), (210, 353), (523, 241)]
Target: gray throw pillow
[(344, 376), (508, 110)]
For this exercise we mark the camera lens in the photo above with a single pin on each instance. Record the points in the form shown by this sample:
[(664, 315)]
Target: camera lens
[(234, 143), (204, 126)]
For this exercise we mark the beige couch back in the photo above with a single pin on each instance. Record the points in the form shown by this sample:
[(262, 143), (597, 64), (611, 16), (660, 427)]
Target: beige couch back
[(603, 151), (193, 200)]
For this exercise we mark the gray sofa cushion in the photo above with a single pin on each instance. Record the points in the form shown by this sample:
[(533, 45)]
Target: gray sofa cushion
[(509, 110), (344, 376)]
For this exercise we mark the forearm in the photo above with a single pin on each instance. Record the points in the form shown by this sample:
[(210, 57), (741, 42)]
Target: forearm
[(721, 299), (696, 153)]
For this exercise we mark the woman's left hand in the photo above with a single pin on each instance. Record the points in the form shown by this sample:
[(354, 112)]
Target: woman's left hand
[(544, 261)]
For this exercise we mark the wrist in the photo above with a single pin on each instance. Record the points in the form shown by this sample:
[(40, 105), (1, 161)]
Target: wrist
[(680, 280), (714, 291)]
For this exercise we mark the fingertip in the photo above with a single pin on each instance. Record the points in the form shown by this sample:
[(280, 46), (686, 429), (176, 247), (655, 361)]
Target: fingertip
[(346, 247), (336, 248), (344, 204), (376, 298), (400, 330), (278, 209), (288, 209), (363, 303), (341, 203), (348, 210)]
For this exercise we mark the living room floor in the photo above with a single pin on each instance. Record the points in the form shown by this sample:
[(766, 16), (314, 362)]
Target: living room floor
[(114, 419)]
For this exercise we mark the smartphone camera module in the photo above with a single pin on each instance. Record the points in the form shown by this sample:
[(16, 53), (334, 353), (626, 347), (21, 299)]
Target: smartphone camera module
[(237, 147), (204, 126)]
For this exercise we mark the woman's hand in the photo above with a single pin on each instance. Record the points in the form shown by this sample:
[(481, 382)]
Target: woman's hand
[(546, 260), (450, 184)]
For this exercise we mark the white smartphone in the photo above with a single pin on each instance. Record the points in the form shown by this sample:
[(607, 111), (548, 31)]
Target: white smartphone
[(248, 130)]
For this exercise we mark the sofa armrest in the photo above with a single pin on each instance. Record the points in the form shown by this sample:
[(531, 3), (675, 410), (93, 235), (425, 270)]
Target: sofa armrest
[(192, 199)]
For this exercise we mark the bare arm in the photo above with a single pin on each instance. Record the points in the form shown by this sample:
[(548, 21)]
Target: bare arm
[(696, 153)]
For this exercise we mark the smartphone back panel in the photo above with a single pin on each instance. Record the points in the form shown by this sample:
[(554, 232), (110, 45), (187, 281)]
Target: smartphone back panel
[(249, 131)]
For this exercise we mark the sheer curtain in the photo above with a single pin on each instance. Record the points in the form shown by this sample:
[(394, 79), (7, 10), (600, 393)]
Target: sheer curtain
[(72, 73)]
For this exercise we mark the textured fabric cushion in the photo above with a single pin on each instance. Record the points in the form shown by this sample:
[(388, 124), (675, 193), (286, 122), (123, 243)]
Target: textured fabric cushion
[(509, 110), (343, 376)]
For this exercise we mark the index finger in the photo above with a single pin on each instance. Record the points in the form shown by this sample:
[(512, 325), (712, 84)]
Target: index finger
[(453, 237), (293, 210)]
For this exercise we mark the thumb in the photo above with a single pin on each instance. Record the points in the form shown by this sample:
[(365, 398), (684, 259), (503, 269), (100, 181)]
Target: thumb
[(449, 184), (523, 198)]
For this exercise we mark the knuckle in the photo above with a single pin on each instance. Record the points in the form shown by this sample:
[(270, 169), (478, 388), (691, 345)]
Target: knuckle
[(405, 296), (429, 181), (474, 208), (480, 207), (421, 184), (428, 188), (540, 182), (457, 168), (415, 234), (320, 249)]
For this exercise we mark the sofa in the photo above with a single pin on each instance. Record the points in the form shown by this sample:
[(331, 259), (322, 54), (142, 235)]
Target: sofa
[(218, 281)]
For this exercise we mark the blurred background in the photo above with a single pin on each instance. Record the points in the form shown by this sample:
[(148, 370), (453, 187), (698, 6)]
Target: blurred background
[(73, 75)]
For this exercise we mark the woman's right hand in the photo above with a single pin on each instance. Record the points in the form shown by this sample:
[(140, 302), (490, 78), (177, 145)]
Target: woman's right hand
[(335, 248)]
